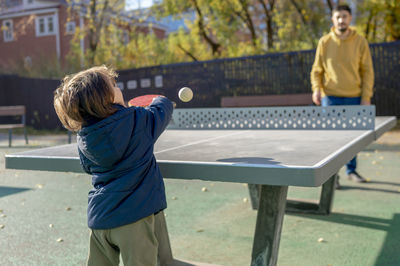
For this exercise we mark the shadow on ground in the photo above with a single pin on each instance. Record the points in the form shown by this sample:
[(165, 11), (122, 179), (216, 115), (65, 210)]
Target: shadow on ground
[(5, 191), (382, 147), (391, 244), (347, 187)]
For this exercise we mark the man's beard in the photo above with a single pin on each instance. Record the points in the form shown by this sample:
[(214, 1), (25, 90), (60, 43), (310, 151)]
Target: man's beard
[(344, 29)]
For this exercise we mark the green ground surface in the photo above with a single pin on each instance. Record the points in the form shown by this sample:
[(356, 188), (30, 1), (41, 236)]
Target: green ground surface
[(215, 226)]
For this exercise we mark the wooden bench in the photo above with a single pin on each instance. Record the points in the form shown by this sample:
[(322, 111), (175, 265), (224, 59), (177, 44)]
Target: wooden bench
[(17, 110), (297, 99)]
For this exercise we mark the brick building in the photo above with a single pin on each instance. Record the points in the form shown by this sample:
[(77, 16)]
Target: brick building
[(34, 30)]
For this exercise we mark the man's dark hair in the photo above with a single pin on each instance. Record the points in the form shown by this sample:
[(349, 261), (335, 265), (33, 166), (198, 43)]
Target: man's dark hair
[(342, 7)]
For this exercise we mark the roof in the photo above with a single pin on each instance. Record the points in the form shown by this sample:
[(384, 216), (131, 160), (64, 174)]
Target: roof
[(11, 7)]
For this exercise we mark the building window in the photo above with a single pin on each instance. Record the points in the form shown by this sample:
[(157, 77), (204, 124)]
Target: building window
[(27, 2), (70, 27), (8, 32), (45, 25)]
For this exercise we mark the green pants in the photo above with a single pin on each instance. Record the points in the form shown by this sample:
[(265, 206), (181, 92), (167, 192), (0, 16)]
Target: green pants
[(136, 242)]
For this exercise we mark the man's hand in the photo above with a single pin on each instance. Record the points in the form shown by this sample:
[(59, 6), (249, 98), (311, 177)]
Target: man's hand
[(365, 102), (316, 97)]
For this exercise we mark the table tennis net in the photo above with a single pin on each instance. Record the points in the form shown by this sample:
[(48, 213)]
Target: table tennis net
[(307, 117)]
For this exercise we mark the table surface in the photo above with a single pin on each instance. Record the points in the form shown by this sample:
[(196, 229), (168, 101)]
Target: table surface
[(273, 157)]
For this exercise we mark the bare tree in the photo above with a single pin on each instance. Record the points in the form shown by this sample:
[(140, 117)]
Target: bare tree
[(268, 7)]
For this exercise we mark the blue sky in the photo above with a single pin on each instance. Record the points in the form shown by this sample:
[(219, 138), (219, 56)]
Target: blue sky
[(135, 4)]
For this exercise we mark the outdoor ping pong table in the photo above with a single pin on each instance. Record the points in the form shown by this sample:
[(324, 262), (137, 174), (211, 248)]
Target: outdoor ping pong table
[(268, 148)]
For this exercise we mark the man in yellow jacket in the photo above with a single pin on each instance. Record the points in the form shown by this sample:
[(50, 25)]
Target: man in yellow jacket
[(342, 73)]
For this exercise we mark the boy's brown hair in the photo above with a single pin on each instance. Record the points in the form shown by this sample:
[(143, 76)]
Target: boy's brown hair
[(85, 95)]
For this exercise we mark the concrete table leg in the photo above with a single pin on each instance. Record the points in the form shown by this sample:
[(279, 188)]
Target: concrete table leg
[(254, 192), (269, 225), (324, 206), (165, 257), (327, 193)]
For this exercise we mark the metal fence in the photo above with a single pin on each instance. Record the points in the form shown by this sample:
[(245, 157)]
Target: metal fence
[(278, 73), (36, 95)]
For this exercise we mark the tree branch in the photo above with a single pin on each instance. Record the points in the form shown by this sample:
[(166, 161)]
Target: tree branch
[(330, 5), (268, 20), (305, 23), (214, 45), (368, 24), (187, 52), (245, 16)]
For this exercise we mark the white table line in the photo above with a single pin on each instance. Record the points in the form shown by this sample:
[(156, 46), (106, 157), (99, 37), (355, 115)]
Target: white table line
[(201, 141)]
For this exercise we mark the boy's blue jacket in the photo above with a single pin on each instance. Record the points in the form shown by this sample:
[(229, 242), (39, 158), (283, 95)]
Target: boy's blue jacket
[(118, 152)]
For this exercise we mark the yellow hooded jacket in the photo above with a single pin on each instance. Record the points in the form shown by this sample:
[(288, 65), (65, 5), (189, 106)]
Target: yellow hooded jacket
[(343, 68)]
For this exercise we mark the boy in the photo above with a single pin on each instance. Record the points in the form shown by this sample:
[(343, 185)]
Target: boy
[(115, 146)]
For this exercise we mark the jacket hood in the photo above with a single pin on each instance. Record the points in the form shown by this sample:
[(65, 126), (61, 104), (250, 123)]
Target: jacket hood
[(105, 142)]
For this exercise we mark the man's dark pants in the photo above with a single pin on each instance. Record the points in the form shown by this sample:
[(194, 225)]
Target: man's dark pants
[(333, 100)]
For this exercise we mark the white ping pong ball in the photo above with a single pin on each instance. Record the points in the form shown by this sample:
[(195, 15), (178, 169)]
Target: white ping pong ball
[(185, 94)]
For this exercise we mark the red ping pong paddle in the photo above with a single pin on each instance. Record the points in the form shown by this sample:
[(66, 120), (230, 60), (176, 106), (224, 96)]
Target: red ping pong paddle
[(142, 101)]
